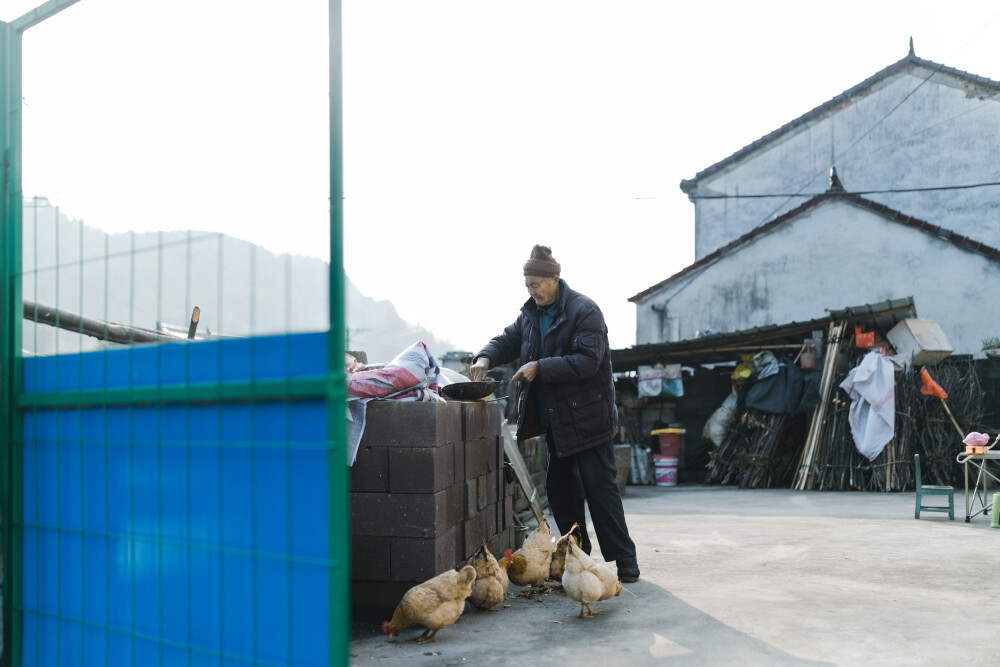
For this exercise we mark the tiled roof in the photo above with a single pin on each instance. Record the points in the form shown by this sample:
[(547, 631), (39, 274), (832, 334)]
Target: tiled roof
[(688, 185), (944, 234), (724, 346)]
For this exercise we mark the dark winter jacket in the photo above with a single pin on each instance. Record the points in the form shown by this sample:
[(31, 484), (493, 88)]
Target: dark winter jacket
[(574, 371)]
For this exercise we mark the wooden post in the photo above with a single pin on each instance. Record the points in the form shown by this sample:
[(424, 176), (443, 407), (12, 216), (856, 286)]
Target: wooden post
[(952, 418), (195, 316)]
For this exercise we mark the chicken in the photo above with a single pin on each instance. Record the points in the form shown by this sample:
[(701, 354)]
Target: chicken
[(491, 578), (559, 555), (588, 582), (435, 604), (530, 563), (505, 563)]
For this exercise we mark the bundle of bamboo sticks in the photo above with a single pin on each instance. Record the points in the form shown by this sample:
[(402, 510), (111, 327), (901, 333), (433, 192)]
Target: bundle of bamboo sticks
[(757, 444), (759, 451), (922, 427), (924, 423)]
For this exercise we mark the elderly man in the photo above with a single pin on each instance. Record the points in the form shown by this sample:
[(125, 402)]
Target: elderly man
[(562, 343)]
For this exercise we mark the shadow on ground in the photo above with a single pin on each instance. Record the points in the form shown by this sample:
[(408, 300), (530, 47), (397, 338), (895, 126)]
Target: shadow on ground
[(645, 625)]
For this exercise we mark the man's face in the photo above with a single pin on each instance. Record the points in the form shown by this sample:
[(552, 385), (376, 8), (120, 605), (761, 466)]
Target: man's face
[(544, 291)]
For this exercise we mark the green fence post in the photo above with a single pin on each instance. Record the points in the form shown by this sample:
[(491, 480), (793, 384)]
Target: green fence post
[(11, 211), (10, 260), (340, 534)]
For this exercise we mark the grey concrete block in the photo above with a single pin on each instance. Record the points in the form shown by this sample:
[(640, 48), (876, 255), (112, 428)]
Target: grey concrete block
[(421, 469), (401, 424)]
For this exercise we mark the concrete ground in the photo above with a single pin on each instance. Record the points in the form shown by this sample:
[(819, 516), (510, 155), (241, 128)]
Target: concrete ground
[(755, 577)]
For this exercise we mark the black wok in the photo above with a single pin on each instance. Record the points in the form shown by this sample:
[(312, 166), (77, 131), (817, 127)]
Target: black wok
[(470, 391)]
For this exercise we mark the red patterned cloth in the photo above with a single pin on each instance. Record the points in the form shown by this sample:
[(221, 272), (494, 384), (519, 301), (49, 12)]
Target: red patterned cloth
[(411, 370), (413, 375)]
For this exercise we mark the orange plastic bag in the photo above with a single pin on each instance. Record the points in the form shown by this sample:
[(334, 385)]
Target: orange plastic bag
[(864, 340), (930, 387)]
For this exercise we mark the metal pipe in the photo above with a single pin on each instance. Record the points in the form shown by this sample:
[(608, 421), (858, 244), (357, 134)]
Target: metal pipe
[(89, 326)]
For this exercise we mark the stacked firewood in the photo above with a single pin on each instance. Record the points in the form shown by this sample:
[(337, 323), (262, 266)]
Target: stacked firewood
[(922, 427), (759, 451), (923, 422)]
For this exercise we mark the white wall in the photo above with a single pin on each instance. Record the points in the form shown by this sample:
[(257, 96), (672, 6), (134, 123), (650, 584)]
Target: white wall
[(833, 256), (943, 134)]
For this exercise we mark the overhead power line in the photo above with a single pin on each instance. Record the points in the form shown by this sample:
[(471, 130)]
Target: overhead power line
[(853, 192), (887, 114)]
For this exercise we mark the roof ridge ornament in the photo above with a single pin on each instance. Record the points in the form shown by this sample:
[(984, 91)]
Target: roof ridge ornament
[(835, 185), (912, 53)]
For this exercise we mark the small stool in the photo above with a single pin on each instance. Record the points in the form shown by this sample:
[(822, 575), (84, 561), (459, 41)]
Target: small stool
[(932, 491)]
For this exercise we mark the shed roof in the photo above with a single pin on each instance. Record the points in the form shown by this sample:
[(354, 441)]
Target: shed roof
[(727, 346), (833, 193), (910, 61)]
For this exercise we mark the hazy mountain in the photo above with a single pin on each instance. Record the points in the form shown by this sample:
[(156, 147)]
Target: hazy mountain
[(158, 277), (375, 327)]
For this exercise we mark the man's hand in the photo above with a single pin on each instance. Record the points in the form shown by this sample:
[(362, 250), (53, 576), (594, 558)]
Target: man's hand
[(477, 371), (526, 373)]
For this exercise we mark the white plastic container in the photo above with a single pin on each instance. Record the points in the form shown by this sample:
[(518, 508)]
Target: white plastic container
[(665, 470)]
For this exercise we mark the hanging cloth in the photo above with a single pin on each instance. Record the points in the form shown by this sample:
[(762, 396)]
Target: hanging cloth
[(872, 386)]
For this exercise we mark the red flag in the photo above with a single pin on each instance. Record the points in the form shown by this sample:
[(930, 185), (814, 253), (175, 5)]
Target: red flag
[(931, 388)]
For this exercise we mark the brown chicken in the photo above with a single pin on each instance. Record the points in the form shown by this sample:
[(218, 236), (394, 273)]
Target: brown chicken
[(435, 604), (588, 582), (559, 554), (491, 578), (530, 566)]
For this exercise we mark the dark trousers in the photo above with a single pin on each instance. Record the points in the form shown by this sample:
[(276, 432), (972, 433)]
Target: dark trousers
[(591, 476)]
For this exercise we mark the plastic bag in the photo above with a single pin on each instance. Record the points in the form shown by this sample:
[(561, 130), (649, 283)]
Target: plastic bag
[(412, 370), (743, 370), (717, 425), (641, 470), (660, 380), (930, 387)]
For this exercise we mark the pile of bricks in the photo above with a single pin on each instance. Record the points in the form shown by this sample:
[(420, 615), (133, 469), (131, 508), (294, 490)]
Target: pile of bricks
[(427, 488)]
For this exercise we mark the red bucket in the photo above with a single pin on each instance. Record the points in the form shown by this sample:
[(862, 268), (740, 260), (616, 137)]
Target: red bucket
[(670, 441)]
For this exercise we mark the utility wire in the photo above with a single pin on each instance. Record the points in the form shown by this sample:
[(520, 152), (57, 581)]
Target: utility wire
[(886, 115), (880, 150), (860, 156), (855, 142), (853, 192)]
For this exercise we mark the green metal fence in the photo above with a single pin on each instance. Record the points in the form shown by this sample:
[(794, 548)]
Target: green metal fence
[(178, 501)]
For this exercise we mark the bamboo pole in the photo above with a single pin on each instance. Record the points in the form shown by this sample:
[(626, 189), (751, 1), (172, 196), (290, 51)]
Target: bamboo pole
[(952, 418), (806, 476)]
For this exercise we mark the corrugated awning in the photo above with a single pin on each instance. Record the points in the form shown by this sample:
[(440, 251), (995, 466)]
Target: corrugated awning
[(720, 347)]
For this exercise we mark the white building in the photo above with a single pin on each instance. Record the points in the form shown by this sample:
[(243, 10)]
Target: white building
[(896, 140)]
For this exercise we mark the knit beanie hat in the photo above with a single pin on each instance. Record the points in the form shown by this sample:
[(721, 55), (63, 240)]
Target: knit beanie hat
[(541, 263)]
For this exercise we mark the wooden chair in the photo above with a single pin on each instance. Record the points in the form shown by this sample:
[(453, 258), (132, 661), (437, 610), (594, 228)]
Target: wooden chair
[(932, 491)]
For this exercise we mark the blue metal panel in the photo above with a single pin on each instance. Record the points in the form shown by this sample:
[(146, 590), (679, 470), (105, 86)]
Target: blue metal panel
[(177, 533), (285, 357)]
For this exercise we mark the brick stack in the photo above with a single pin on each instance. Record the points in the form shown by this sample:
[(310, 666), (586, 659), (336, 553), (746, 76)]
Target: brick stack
[(426, 490)]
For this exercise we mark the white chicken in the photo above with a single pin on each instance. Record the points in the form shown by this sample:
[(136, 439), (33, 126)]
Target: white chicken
[(587, 582), (558, 564)]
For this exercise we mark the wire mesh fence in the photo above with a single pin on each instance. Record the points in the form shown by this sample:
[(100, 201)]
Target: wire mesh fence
[(174, 480)]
